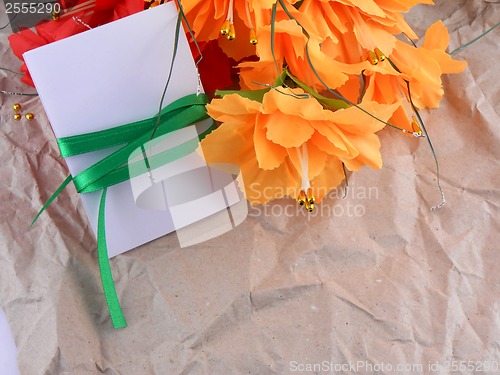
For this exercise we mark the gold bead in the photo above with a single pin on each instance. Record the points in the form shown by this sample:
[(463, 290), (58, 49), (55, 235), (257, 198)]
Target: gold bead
[(253, 37), (309, 207), (225, 27), (301, 199), (16, 107), (310, 196), (372, 58), (30, 116), (17, 117), (415, 126), (380, 55), (231, 33)]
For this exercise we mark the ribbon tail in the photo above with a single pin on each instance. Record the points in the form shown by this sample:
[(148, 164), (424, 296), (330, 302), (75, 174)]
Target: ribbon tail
[(108, 285), (54, 196)]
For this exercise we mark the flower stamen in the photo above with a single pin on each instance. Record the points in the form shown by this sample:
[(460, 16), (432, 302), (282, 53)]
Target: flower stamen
[(372, 58), (417, 131), (310, 200), (380, 55), (410, 113), (227, 28), (231, 34), (253, 35), (302, 198), (376, 56), (306, 195)]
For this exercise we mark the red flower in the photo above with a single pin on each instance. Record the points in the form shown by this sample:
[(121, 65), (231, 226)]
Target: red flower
[(216, 68), (92, 13)]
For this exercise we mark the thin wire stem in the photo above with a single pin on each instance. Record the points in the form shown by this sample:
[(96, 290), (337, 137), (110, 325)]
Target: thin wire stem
[(474, 40)]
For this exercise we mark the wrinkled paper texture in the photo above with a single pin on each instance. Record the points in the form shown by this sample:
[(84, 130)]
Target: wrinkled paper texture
[(376, 277)]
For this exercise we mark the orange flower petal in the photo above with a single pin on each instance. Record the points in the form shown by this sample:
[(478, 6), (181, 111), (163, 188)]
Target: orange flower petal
[(342, 145), (369, 152), (436, 37), (287, 131), (316, 159), (367, 6), (233, 108), (254, 75), (269, 154), (324, 144), (446, 62), (289, 39), (353, 120), (290, 104), (214, 146), (262, 186), (330, 177)]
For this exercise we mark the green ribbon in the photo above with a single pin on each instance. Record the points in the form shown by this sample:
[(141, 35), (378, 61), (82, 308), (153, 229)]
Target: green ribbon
[(115, 168)]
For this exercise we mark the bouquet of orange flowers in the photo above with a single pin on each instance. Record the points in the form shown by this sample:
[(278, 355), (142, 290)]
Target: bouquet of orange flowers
[(317, 81)]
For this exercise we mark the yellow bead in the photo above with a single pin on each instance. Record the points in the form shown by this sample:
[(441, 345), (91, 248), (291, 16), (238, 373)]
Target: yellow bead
[(301, 199), (55, 15), (30, 116), (231, 33), (253, 37), (310, 196), (372, 58), (225, 27), (309, 207), (380, 55), (17, 117), (415, 126), (16, 107)]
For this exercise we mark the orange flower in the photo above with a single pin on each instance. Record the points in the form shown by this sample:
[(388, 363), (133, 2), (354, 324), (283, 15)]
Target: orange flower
[(421, 67), (374, 22), (208, 17), (290, 50), (289, 141)]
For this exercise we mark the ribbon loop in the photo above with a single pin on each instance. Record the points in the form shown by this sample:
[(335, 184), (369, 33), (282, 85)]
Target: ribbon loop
[(113, 169)]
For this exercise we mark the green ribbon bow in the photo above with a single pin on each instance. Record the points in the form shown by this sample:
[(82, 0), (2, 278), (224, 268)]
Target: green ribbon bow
[(116, 168)]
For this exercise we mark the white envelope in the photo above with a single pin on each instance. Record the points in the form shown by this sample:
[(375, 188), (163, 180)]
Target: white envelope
[(109, 76)]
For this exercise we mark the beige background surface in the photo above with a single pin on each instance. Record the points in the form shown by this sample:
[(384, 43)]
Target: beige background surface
[(376, 277)]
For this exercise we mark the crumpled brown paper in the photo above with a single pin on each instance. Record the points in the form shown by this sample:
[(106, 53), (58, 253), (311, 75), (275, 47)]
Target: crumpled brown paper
[(375, 279)]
